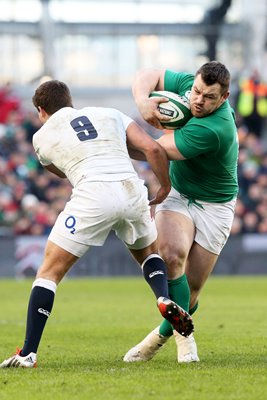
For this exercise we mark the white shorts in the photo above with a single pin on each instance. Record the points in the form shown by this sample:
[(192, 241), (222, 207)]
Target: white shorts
[(96, 208), (213, 221)]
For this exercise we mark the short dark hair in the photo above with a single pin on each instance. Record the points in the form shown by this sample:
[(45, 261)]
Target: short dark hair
[(215, 72), (52, 96)]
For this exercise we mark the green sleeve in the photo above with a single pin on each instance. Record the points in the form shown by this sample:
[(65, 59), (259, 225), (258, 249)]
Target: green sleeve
[(178, 82)]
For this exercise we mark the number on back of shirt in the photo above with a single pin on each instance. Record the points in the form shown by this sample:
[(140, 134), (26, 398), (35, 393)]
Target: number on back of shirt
[(84, 128)]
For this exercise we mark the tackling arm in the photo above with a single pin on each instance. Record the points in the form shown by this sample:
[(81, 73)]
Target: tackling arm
[(146, 148)]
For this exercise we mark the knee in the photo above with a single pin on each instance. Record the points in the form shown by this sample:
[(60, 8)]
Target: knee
[(172, 257), (175, 261)]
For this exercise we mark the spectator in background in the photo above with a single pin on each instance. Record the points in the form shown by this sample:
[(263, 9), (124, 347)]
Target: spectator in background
[(31, 124), (9, 103), (251, 206), (251, 104), (250, 222)]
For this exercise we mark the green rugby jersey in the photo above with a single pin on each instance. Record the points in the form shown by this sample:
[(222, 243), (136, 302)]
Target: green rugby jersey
[(210, 146)]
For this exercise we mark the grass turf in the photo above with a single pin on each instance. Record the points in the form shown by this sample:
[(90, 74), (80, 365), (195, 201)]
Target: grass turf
[(95, 321)]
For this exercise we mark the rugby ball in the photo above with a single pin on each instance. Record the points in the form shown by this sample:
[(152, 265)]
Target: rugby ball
[(178, 108)]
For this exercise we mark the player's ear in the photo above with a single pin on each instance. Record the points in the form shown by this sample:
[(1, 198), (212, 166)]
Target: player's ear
[(39, 109), (226, 95), (43, 116)]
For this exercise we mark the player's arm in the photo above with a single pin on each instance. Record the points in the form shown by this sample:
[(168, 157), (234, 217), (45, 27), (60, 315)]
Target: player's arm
[(44, 162), (139, 142), (168, 143), (52, 168), (144, 83)]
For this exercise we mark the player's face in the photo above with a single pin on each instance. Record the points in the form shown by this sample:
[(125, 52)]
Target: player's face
[(205, 99)]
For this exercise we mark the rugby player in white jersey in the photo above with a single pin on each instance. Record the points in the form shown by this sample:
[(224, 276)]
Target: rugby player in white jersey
[(89, 148)]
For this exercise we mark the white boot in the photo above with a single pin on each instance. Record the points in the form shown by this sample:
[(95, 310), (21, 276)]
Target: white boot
[(186, 348), (18, 361), (148, 348)]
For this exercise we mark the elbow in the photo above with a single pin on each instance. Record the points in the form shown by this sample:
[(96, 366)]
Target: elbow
[(156, 152)]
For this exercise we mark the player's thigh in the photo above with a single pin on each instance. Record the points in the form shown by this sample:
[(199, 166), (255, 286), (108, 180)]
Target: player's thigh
[(213, 224), (135, 227), (56, 263), (175, 225), (176, 233)]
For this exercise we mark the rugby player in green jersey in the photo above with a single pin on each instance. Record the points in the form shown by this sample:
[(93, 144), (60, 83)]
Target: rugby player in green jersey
[(195, 220)]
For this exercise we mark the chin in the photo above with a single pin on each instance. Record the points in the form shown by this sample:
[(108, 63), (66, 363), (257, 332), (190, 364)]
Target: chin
[(197, 114)]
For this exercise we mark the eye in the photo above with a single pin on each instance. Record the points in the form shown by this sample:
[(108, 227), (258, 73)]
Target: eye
[(210, 97)]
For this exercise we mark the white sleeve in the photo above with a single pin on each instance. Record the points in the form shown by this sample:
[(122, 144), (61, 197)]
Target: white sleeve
[(126, 120), (36, 147)]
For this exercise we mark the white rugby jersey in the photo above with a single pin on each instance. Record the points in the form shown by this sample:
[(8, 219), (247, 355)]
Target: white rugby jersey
[(87, 144)]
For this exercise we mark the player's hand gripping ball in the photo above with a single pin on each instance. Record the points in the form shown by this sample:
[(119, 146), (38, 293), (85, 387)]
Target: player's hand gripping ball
[(178, 108)]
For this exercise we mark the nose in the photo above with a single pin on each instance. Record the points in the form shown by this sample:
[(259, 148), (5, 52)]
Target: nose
[(200, 99)]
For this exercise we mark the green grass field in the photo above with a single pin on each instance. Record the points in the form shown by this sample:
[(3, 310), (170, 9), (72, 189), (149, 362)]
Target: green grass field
[(95, 321)]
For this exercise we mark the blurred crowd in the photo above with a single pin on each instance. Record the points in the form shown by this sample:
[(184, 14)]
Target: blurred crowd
[(250, 104), (31, 197)]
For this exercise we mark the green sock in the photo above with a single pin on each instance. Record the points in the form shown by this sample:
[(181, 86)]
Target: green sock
[(180, 293)]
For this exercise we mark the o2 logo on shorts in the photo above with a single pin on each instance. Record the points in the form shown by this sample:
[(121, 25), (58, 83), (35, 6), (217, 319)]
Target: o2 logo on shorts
[(70, 224)]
